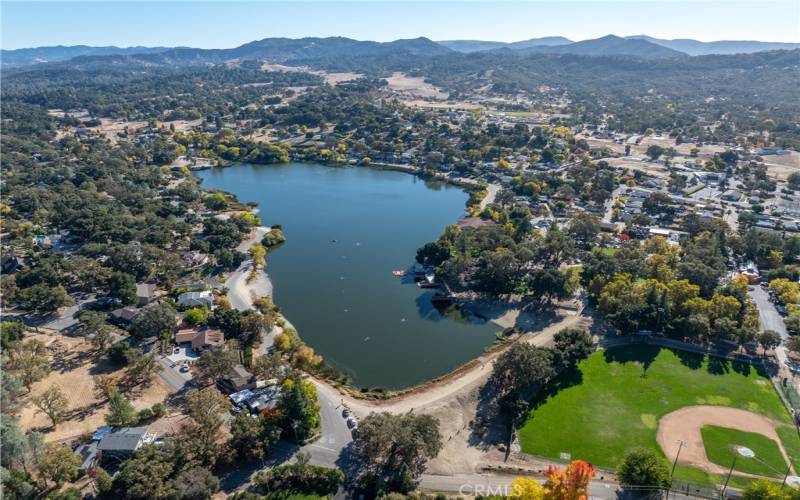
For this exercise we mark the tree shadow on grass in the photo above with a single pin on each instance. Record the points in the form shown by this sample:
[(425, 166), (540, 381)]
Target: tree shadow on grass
[(691, 360), (718, 366), (644, 355)]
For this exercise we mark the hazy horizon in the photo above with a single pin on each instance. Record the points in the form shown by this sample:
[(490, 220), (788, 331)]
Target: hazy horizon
[(27, 24)]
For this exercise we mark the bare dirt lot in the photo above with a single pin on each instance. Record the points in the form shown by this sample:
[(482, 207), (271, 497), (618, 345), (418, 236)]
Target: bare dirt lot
[(73, 362), (330, 78), (414, 85), (685, 424), (781, 166)]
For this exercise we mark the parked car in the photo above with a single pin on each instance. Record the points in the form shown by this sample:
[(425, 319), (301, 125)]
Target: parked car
[(184, 368), (352, 423), (346, 412)]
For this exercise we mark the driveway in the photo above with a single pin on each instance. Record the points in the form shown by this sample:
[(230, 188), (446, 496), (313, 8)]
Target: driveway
[(769, 317)]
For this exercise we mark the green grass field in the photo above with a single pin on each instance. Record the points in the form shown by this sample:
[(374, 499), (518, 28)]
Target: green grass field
[(719, 443), (613, 401)]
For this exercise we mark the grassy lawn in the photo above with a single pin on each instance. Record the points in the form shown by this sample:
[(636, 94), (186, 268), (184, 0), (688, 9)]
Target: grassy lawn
[(719, 443), (694, 475), (613, 401), (791, 441)]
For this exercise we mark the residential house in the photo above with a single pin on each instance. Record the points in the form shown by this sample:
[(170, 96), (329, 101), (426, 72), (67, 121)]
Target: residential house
[(204, 338), (109, 445), (123, 316), (194, 299), (145, 293), (237, 380)]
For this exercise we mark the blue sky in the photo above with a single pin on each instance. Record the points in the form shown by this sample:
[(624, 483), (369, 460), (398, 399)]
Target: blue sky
[(228, 24)]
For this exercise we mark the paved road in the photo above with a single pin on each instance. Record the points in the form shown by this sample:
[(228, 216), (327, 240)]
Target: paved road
[(769, 317), (176, 380), (487, 485)]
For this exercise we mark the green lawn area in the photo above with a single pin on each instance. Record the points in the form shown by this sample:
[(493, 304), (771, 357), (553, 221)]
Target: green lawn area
[(791, 441), (720, 442), (613, 401)]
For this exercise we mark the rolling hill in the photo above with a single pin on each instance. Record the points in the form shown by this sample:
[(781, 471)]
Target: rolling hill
[(698, 48)]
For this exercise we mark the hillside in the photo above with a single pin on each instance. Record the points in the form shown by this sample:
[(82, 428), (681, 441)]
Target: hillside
[(610, 45), (698, 48), (481, 45), (22, 57)]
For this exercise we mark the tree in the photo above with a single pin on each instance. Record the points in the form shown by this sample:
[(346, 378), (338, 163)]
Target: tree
[(267, 366), (141, 367), (29, 362), (763, 489), (584, 227), (196, 483), (10, 392), (208, 408), (121, 412), (251, 325), (769, 339), (153, 320), (793, 344), (643, 467), (527, 488), (520, 367), (389, 444), (571, 346), (258, 253), (300, 408), (42, 298), (52, 403), (148, 474), (215, 201), (301, 477), (195, 316), (94, 326), (569, 484), (11, 332), (252, 437), (104, 386), (654, 151), (123, 286), (59, 464), (794, 180), (215, 365)]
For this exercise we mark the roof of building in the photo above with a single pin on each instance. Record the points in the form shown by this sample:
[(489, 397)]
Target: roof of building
[(145, 289), (126, 313), (123, 439)]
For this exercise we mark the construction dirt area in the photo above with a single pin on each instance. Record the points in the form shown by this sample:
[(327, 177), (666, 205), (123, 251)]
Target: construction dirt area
[(73, 363), (686, 425)]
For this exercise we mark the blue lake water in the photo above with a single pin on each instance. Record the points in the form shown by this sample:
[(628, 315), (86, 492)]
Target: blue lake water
[(347, 229)]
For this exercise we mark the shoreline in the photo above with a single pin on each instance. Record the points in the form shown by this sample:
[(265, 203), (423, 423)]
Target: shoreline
[(243, 291)]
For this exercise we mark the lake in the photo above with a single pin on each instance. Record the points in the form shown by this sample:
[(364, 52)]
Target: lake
[(347, 228)]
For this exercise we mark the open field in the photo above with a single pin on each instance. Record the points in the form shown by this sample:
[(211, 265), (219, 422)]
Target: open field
[(720, 443), (781, 166), (414, 85), (614, 400), (72, 366)]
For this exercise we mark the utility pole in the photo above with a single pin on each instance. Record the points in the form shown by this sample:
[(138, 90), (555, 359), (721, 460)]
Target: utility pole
[(681, 444), (725, 487)]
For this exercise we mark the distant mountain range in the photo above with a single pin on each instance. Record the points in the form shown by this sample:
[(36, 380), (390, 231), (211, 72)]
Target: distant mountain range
[(696, 48), (478, 45), (311, 50), (22, 57)]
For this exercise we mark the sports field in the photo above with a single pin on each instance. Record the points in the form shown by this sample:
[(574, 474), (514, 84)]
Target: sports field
[(613, 401), (720, 446)]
